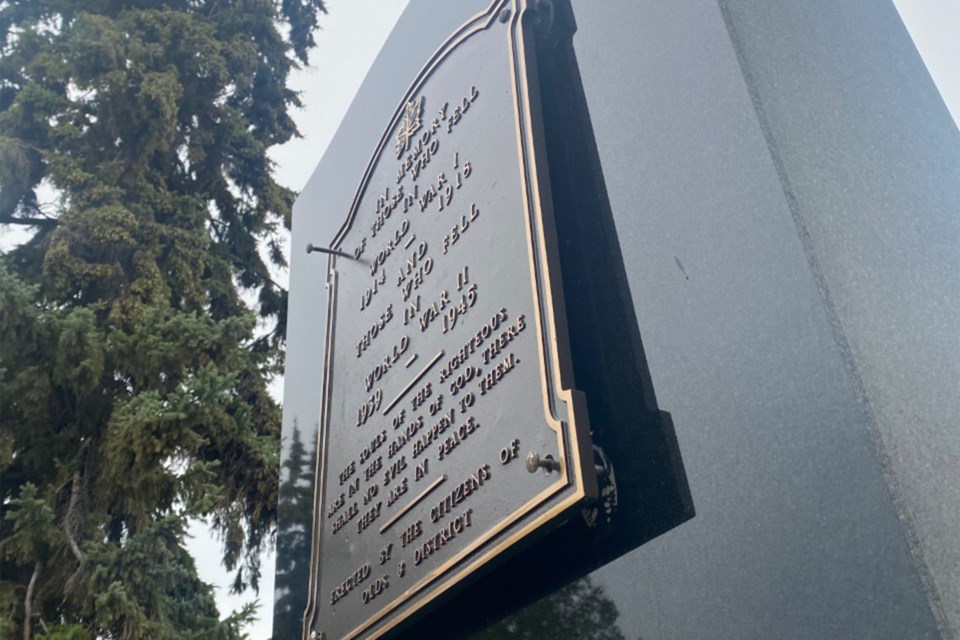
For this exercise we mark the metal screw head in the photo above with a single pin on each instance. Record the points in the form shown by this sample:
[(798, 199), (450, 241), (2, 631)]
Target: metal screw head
[(533, 462), (504, 15)]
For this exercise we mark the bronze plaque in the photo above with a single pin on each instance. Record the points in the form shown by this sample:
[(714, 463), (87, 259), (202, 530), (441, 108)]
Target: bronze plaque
[(450, 430)]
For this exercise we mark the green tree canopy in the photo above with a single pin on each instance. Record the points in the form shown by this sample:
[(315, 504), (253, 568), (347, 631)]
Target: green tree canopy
[(133, 374)]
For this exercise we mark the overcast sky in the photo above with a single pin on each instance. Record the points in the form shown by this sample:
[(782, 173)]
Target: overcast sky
[(935, 28)]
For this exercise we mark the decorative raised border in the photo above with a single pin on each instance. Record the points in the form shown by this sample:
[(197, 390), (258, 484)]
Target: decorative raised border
[(573, 436)]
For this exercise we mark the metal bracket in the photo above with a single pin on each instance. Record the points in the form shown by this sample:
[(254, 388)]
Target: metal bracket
[(606, 505)]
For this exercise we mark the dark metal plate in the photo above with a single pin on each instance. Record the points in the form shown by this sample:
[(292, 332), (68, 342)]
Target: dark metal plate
[(447, 366)]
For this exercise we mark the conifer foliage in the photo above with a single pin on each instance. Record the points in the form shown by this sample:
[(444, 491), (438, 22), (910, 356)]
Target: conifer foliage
[(133, 374)]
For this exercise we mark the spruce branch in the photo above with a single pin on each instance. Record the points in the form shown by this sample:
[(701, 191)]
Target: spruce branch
[(29, 222)]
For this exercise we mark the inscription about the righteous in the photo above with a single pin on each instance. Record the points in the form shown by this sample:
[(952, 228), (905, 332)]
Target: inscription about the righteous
[(442, 362)]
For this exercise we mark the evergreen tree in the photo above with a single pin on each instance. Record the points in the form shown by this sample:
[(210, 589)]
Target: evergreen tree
[(295, 522), (132, 373)]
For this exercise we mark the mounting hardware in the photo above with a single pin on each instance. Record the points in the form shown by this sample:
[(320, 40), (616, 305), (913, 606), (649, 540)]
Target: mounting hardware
[(548, 464), (311, 248), (603, 510)]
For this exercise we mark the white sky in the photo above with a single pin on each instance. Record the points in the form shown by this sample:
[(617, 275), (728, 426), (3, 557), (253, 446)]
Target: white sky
[(934, 26)]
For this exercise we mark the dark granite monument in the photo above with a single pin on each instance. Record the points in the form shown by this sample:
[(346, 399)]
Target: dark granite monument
[(549, 255)]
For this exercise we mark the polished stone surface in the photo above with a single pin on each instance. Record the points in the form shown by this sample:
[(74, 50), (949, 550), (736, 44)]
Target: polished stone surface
[(785, 182)]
